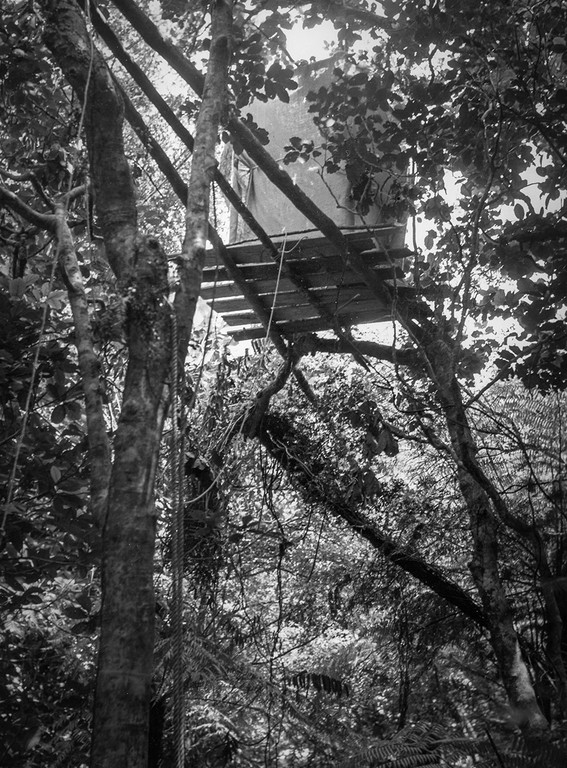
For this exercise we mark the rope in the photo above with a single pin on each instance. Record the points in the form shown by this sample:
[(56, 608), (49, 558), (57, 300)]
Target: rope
[(268, 329), (178, 522), (177, 546)]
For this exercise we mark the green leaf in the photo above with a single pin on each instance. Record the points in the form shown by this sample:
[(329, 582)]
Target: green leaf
[(74, 612), (58, 414), (55, 473)]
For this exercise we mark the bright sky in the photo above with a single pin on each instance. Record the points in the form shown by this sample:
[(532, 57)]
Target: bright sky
[(305, 43)]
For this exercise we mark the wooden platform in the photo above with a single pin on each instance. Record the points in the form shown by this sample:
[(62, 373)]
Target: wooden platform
[(312, 291)]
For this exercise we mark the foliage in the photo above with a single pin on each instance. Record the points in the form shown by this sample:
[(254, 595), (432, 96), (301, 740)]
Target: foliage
[(48, 599), (305, 644), (474, 145)]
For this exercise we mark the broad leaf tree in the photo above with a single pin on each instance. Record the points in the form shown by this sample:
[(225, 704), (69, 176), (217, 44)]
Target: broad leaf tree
[(122, 486), (462, 106)]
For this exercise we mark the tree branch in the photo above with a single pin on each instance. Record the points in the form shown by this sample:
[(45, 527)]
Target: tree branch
[(311, 343), (277, 435), (12, 201), (89, 366), (67, 38), (32, 178)]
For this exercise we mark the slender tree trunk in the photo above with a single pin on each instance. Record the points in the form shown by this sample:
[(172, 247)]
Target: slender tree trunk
[(204, 167), (98, 449), (484, 566), (89, 366), (277, 434)]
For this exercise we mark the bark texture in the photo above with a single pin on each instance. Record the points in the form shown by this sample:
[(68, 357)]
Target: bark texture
[(84, 67), (125, 661), (477, 492), (203, 168), (89, 367), (125, 664)]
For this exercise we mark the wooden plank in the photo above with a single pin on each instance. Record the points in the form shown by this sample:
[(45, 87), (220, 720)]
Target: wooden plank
[(266, 288), (263, 287), (246, 316), (331, 298), (295, 327), (305, 269), (346, 309), (220, 290), (301, 253), (311, 240)]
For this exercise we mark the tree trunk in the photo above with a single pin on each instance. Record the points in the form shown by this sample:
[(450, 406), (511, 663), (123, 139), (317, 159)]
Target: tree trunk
[(125, 661), (277, 435), (89, 366), (484, 566), (212, 112), (125, 665), (124, 672)]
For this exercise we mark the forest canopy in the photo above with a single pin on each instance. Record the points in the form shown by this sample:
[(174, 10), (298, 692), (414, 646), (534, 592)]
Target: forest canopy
[(317, 547)]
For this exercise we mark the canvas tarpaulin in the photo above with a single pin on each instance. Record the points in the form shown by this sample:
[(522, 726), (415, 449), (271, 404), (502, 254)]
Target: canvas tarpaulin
[(329, 191)]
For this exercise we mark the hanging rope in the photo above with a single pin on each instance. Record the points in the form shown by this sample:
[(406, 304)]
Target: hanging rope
[(177, 545), (269, 328)]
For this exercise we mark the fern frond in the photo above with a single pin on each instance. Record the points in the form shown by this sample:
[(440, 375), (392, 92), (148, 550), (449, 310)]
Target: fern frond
[(304, 680), (431, 745)]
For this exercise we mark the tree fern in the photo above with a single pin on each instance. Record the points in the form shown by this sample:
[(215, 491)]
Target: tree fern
[(431, 745)]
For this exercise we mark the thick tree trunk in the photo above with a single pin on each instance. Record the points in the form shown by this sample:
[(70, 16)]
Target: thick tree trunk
[(125, 665), (122, 696), (125, 668)]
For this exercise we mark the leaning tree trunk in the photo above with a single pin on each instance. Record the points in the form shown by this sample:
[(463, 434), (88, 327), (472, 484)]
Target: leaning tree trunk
[(125, 661), (483, 503), (278, 435)]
